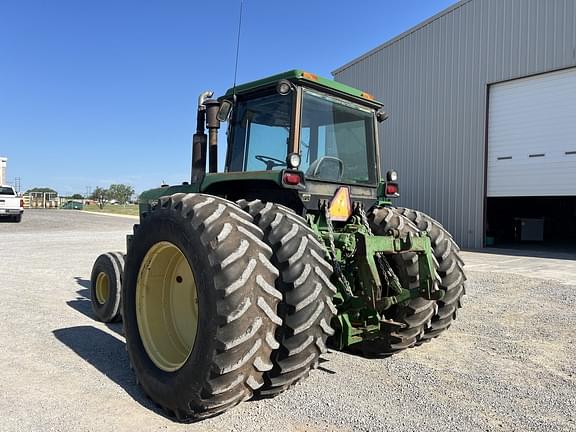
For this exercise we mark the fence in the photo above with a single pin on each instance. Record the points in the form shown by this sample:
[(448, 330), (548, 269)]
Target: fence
[(41, 200)]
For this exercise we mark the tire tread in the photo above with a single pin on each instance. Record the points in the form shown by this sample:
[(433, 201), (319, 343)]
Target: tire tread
[(247, 300), (306, 307)]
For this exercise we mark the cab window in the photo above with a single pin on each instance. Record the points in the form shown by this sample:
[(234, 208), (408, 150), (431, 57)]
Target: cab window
[(261, 133), (337, 140)]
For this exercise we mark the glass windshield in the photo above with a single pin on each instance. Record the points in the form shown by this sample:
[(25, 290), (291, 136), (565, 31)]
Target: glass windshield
[(6, 190), (261, 133), (337, 140)]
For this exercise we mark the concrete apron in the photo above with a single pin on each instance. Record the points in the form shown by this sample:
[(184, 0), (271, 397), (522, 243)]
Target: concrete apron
[(560, 267)]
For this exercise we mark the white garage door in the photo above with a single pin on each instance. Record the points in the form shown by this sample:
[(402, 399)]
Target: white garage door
[(532, 136)]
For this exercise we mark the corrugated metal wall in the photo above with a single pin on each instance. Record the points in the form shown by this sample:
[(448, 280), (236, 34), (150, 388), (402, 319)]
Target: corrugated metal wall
[(433, 80)]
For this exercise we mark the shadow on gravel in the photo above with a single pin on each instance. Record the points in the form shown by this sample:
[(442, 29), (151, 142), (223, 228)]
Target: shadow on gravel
[(83, 304), (107, 354), (324, 369), (83, 283)]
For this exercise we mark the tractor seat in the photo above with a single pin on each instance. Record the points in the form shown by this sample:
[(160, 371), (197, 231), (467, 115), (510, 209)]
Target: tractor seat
[(326, 168)]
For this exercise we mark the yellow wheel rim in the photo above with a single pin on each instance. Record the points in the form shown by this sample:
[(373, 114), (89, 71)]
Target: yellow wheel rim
[(167, 306), (102, 288)]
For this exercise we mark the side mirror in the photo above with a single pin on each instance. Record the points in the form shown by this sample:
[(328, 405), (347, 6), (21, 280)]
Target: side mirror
[(381, 115), (224, 110)]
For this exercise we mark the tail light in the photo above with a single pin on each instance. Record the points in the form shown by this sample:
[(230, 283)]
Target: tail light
[(22, 203), (392, 190), (291, 178)]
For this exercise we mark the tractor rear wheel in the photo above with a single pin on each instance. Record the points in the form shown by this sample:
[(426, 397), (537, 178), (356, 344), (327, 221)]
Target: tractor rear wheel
[(106, 286), (199, 305), (306, 308), (450, 270), (410, 319)]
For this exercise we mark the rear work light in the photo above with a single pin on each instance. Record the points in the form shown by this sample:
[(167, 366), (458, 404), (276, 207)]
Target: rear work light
[(391, 190)]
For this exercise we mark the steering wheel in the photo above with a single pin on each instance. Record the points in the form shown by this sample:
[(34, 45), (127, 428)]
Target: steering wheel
[(270, 161)]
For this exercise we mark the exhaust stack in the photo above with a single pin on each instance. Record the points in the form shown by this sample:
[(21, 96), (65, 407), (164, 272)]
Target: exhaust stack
[(213, 124), (199, 139)]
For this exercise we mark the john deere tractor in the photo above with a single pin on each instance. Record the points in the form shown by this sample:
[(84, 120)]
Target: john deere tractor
[(234, 283)]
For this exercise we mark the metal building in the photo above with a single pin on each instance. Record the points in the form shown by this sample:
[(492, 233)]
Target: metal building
[(482, 127)]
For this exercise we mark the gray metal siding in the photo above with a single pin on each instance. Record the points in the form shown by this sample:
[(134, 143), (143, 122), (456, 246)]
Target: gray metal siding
[(433, 80)]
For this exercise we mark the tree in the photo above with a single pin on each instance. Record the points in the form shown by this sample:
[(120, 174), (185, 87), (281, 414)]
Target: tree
[(99, 193), (77, 197), (41, 189), (120, 192)]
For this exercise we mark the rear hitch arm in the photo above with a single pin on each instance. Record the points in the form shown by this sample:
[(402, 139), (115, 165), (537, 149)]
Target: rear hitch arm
[(367, 249)]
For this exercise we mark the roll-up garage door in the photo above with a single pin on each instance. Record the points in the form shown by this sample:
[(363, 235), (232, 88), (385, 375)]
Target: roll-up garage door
[(532, 136)]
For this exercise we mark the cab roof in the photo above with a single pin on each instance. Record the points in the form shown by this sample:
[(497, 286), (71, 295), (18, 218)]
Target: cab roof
[(300, 76)]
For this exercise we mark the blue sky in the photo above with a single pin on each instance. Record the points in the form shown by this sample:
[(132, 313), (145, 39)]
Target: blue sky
[(101, 92)]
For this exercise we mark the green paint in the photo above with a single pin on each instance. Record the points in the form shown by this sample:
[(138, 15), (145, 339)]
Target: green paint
[(150, 197), (300, 76), (213, 179), (382, 199), (360, 316)]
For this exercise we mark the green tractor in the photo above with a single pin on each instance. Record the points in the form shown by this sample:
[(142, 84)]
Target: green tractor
[(235, 283)]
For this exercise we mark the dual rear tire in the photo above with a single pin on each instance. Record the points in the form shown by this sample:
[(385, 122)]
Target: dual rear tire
[(306, 307), (222, 303), (419, 320), (199, 305), (450, 271)]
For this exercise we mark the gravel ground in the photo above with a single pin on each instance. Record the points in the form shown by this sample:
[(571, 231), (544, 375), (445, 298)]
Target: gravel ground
[(508, 363)]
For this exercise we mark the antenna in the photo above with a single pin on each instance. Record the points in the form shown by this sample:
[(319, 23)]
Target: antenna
[(237, 50)]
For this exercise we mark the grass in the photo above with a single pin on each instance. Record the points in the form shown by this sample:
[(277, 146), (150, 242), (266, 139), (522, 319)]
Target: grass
[(128, 209)]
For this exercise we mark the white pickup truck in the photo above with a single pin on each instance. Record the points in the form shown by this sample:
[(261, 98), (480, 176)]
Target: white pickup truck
[(11, 206)]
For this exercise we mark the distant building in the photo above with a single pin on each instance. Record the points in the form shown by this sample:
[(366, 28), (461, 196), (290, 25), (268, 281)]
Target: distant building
[(482, 127), (3, 162)]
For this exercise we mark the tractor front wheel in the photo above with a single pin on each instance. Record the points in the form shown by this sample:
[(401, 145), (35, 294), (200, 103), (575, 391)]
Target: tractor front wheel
[(199, 305), (106, 286)]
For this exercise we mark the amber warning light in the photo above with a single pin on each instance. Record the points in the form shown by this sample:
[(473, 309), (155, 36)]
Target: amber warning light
[(340, 206)]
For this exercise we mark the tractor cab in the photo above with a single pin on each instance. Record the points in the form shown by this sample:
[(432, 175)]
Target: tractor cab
[(298, 132), (328, 132), (319, 133)]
